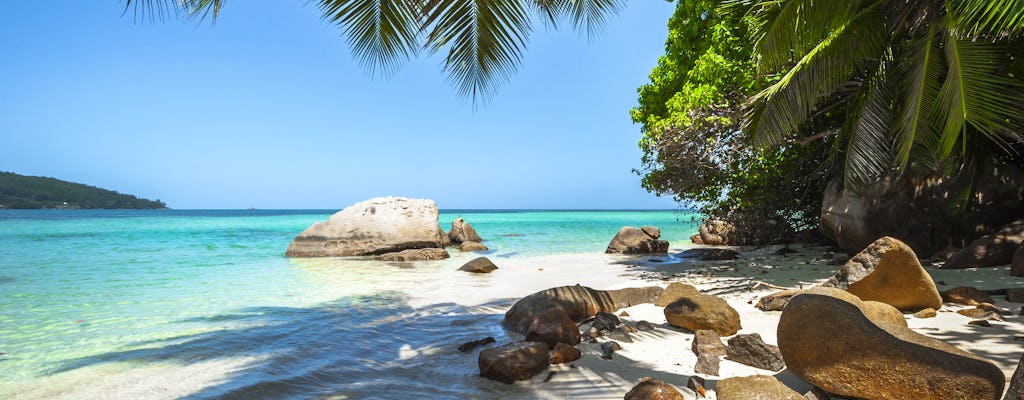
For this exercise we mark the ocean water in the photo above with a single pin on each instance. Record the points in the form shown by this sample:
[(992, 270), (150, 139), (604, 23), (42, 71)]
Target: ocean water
[(203, 304)]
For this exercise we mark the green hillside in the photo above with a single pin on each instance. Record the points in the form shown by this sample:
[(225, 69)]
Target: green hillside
[(34, 192)]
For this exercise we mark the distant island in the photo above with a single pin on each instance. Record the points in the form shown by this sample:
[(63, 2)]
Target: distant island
[(36, 192)]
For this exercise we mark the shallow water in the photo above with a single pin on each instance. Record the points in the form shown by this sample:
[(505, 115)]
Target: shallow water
[(166, 304)]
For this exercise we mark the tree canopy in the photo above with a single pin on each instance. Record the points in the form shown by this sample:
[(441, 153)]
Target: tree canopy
[(33, 192)]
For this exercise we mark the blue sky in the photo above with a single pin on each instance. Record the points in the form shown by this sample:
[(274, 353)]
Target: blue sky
[(269, 109)]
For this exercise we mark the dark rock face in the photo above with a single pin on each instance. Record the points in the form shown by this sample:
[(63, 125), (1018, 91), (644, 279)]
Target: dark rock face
[(513, 362), (829, 340), (372, 227), (1016, 391), (966, 295), (702, 311), (990, 250), (888, 271), (710, 254), (751, 350), (609, 348), (469, 346), (578, 302), (1015, 295), (462, 231), (480, 265), (553, 326), (916, 209), (1017, 262), (644, 326), (563, 353), (755, 387), (605, 321), (414, 255), (653, 389), (633, 240)]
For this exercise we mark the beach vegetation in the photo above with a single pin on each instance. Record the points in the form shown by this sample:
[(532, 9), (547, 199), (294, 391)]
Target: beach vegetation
[(33, 192)]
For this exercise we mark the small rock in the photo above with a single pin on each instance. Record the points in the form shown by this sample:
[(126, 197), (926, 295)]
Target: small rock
[(607, 348), (817, 394), (628, 328), (706, 342), (647, 326), (653, 389), (623, 314), (977, 313), (990, 307), (472, 246), (564, 353), (551, 374), (469, 346), (633, 240), (513, 362), (1015, 295), (620, 335), (784, 251), (776, 301), (553, 326), (750, 350), (462, 231), (980, 322), (479, 265), (707, 365), (605, 322), (702, 311), (592, 333), (755, 387), (705, 254), (966, 295), (673, 292), (696, 384), (926, 313)]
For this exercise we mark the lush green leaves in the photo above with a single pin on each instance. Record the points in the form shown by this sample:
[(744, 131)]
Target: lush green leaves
[(33, 192)]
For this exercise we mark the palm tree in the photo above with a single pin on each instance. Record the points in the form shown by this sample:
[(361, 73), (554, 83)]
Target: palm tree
[(482, 40), (902, 82)]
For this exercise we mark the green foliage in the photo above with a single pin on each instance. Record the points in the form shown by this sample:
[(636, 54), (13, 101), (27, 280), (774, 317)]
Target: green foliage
[(906, 83), (693, 147), (32, 192)]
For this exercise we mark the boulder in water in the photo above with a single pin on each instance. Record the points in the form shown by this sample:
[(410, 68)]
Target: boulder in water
[(633, 240), (513, 362), (414, 255), (479, 265), (462, 231), (372, 227), (472, 246)]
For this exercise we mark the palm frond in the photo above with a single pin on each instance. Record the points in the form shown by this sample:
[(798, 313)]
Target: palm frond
[(989, 17), (866, 133), (586, 15), (788, 30), (779, 110), (485, 40), (160, 9), (921, 74), (382, 33)]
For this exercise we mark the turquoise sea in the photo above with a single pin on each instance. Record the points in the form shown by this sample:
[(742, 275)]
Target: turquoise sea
[(203, 304)]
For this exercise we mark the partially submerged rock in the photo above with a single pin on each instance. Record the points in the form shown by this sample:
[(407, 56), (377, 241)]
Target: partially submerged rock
[(414, 255), (751, 350), (472, 246), (372, 227), (703, 311), (633, 240), (653, 389), (888, 271), (757, 387), (469, 346), (513, 362), (990, 250), (462, 231), (480, 265), (828, 339)]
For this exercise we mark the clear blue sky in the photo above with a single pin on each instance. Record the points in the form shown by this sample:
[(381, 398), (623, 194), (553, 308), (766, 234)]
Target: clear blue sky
[(268, 109)]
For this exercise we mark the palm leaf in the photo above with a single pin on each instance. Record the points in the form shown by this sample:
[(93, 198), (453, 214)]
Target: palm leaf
[(158, 9), (989, 17), (866, 133), (788, 30), (921, 74), (382, 33)]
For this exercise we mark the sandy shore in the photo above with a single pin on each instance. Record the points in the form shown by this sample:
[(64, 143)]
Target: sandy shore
[(665, 353)]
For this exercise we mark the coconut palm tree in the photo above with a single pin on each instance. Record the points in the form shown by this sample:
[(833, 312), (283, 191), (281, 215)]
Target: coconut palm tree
[(919, 82), (482, 40)]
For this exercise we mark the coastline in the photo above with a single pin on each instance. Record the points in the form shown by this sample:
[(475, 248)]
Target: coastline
[(469, 306)]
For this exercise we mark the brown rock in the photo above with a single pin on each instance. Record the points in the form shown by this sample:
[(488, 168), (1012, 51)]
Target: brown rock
[(480, 265), (829, 341), (751, 350), (776, 301), (564, 353), (633, 240), (817, 394), (653, 389), (553, 326), (414, 255), (888, 271), (714, 232), (702, 311), (980, 322), (673, 292), (624, 314), (978, 313), (469, 346), (707, 365), (926, 313), (882, 313), (757, 387), (696, 239), (1017, 262), (1015, 295), (472, 246), (462, 231), (990, 250), (577, 302), (1016, 390), (966, 295), (513, 362), (707, 343), (605, 321)]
